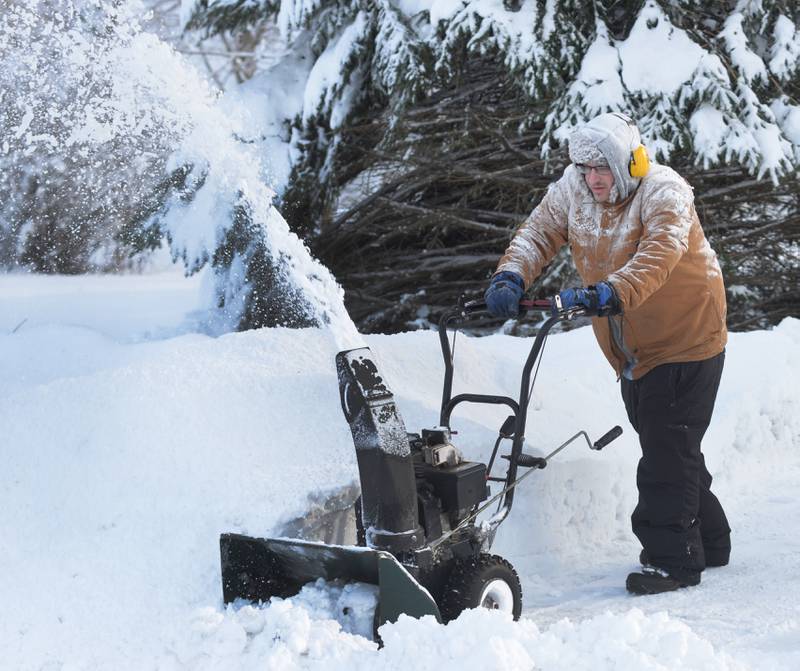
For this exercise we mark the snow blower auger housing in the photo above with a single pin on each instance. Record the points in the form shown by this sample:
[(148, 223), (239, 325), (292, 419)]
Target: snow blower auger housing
[(419, 539)]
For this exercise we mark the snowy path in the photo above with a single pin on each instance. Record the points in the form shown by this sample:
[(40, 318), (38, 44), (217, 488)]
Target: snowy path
[(750, 609)]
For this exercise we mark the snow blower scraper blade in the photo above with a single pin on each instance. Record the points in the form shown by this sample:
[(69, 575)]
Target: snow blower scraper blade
[(256, 569)]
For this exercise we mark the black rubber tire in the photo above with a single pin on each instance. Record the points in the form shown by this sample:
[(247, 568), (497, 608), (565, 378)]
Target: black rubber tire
[(468, 580)]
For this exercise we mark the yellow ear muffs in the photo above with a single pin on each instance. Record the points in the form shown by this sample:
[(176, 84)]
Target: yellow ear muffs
[(640, 162)]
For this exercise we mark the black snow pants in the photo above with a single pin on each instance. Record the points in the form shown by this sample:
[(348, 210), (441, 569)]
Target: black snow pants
[(678, 520)]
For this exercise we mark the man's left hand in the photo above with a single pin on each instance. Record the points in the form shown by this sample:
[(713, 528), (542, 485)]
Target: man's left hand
[(598, 300)]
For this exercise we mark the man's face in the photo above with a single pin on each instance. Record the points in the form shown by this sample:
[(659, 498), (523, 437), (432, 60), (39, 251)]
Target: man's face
[(599, 180)]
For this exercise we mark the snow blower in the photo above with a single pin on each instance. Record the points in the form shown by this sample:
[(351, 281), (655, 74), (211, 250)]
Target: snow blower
[(419, 539)]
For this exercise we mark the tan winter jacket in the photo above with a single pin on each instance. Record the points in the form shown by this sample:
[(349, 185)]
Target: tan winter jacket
[(651, 248)]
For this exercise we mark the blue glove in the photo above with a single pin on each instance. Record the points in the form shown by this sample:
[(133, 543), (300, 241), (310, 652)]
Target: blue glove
[(504, 294), (599, 300)]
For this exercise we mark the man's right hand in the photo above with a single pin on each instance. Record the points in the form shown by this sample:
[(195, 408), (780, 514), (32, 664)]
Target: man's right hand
[(599, 300), (504, 294)]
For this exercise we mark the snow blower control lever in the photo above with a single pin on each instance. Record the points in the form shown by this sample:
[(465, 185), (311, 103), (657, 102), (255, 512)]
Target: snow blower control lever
[(418, 538)]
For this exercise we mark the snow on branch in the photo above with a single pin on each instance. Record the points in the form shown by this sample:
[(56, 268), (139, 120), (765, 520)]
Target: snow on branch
[(700, 82), (399, 61)]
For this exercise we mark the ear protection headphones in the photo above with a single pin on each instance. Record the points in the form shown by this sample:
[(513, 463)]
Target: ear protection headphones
[(640, 162), (639, 165)]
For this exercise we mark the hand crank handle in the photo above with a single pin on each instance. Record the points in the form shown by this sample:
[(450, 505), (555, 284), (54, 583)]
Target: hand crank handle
[(606, 438)]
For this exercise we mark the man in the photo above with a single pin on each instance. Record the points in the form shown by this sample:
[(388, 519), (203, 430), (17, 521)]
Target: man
[(656, 287)]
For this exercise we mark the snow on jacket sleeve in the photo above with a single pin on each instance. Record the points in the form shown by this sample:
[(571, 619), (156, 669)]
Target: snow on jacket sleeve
[(667, 217), (540, 236)]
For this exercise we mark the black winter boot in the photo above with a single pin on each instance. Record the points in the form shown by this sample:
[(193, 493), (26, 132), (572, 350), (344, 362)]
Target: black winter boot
[(654, 580)]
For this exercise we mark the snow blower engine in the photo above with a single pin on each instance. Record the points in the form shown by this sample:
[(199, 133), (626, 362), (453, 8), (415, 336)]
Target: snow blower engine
[(419, 539)]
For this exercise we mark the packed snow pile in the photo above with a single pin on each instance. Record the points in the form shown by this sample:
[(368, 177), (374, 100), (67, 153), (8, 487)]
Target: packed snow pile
[(295, 634), (131, 441)]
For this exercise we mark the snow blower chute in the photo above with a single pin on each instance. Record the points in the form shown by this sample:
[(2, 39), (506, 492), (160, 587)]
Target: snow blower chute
[(419, 539)]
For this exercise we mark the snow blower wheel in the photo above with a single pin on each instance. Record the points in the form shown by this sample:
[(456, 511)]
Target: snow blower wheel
[(485, 581)]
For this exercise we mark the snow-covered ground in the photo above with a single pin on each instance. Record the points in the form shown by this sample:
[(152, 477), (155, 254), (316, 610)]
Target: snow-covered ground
[(130, 441)]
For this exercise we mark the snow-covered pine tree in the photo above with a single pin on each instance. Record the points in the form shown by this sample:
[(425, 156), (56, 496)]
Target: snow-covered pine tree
[(652, 58), (687, 70), (359, 54), (347, 54), (713, 86)]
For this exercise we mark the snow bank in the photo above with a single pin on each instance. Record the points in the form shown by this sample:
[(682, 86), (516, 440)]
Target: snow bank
[(130, 444)]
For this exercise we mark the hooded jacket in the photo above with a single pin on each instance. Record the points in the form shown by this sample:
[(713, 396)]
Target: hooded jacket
[(646, 242)]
